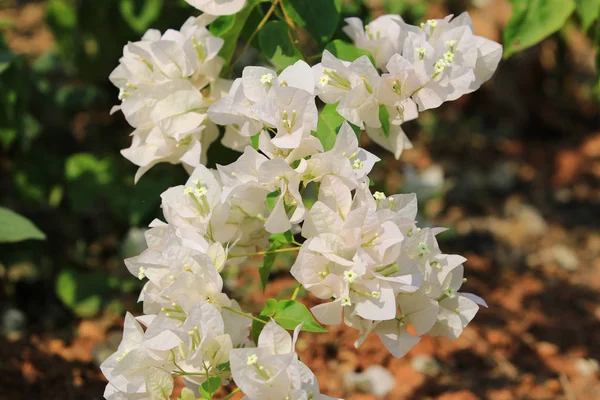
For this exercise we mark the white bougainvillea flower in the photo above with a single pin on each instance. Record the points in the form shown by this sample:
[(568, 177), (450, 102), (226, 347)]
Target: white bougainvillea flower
[(264, 375), (383, 37), (126, 369), (395, 337), (218, 7), (277, 339), (277, 175), (396, 141), (461, 61), (291, 112), (402, 82), (346, 146), (354, 85)]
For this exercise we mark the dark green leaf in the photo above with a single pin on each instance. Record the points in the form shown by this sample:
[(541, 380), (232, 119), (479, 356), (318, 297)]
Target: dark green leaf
[(319, 17), (229, 27), (210, 387), (534, 20), (290, 313), (277, 241), (346, 51), (16, 228), (276, 44), (6, 59), (384, 118)]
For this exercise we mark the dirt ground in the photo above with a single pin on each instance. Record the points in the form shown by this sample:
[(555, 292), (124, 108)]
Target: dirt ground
[(523, 206)]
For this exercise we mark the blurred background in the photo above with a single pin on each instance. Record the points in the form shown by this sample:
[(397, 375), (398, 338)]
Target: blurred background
[(513, 170)]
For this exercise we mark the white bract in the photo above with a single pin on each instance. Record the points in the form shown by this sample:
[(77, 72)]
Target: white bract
[(362, 253), (167, 83), (218, 7)]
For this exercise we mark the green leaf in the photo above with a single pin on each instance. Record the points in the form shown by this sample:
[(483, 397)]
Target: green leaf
[(82, 292), (210, 387), (384, 118), (284, 238), (290, 313), (329, 124), (62, 13), (255, 140), (264, 315), (186, 394), (534, 20), (88, 178), (346, 51), (319, 17), (588, 11), (272, 199), (16, 228), (229, 27), (277, 241), (140, 21), (276, 44), (6, 59)]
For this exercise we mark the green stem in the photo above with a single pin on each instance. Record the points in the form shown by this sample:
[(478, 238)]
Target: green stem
[(296, 291), (260, 253), (230, 395), (251, 38), (233, 310)]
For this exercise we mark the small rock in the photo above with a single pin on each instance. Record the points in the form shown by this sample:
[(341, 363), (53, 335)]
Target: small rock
[(13, 322), (547, 349), (374, 380), (503, 176), (425, 364), (426, 184), (565, 257), (587, 366)]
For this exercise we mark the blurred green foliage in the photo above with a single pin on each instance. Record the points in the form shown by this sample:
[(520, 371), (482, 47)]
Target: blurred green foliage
[(60, 164), (534, 20)]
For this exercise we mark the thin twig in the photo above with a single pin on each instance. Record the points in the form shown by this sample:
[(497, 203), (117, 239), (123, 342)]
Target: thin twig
[(251, 38)]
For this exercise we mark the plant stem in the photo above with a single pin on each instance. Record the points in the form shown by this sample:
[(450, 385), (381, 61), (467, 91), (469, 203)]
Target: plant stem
[(233, 310), (293, 32), (230, 395), (251, 38), (260, 253), (296, 291)]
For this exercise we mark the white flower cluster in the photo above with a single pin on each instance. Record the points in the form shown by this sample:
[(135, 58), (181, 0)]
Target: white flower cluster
[(167, 83), (193, 329), (272, 370), (423, 67), (381, 271), (362, 253)]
